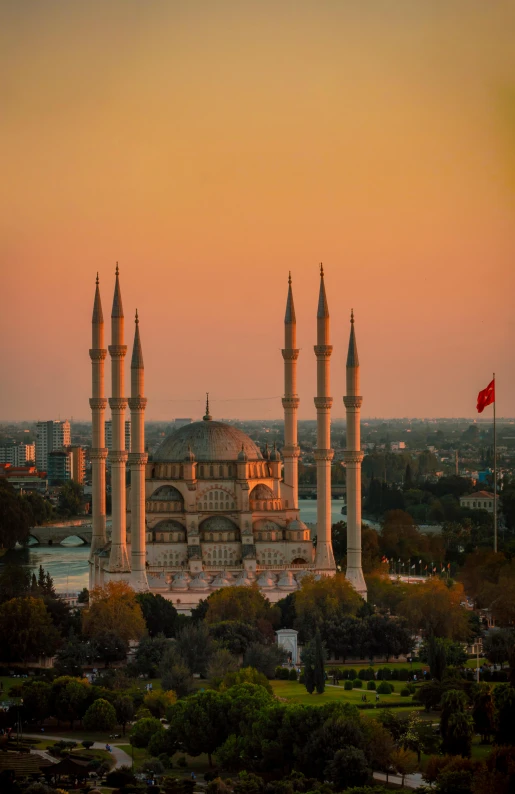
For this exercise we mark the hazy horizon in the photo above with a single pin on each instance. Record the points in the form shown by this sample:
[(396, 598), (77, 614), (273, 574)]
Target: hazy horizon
[(212, 147)]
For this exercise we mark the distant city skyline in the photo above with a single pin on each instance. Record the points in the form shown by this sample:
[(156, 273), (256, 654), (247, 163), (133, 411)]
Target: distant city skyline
[(210, 149)]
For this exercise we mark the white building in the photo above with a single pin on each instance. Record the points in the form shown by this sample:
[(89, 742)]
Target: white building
[(481, 500), (50, 436), (18, 454), (109, 434)]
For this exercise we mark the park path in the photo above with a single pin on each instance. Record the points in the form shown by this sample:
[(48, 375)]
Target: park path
[(410, 781), (121, 758)]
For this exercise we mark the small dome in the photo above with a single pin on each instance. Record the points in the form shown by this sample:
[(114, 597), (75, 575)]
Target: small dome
[(221, 580), (295, 524), (261, 491), (266, 581), (275, 456), (180, 581), (286, 581), (264, 525), (242, 455), (243, 580), (198, 583)]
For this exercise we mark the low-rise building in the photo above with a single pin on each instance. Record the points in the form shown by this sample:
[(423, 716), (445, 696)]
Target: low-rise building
[(481, 500), (24, 478)]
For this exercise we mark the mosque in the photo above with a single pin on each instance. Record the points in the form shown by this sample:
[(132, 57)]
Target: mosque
[(211, 509)]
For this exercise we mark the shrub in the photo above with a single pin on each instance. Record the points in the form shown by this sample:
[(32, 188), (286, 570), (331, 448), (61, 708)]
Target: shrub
[(87, 744), (181, 762), (394, 675), (351, 674), (371, 685), (385, 688), (292, 675), (357, 683), (281, 673), (362, 675), (118, 778), (405, 692), (348, 685), (403, 675)]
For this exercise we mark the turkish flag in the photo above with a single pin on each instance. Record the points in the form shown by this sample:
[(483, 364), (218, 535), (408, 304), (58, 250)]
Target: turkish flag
[(486, 397)]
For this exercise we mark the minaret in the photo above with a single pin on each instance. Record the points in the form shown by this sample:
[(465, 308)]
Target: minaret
[(353, 458), (290, 451), (137, 461), (324, 558), (98, 405), (118, 559)]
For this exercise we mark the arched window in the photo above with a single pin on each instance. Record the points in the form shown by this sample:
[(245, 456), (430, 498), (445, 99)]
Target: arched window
[(211, 471), (161, 537), (221, 471), (181, 472), (201, 472)]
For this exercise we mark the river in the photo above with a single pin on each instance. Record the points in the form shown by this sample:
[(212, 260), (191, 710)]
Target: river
[(68, 564)]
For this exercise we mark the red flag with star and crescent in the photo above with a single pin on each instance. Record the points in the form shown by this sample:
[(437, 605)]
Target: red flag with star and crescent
[(486, 397)]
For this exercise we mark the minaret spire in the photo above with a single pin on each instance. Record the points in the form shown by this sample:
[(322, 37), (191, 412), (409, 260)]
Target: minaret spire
[(353, 457), (98, 453), (118, 559), (290, 451), (324, 558), (137, 462)]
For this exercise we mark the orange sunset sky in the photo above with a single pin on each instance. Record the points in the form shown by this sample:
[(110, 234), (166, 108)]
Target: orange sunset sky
[(210, 146)]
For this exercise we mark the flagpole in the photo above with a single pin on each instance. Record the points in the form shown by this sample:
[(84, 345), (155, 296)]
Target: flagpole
[(495, 471)]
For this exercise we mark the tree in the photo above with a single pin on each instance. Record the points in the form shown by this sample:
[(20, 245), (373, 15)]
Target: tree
[(72, 657), (348, 768), (404, 762), (101, 716), (244, 604), (264, 658), (69, 698), (124, 708), (70, 499), (113, 608), (149, 655), (26, 630), (499, 645), (36, 701), (200, 722), (430, 695), (235, 635), (456, 726), (483, 712), (195, 647), (435, 608), (109, 646), (15, 582), (507, 500), (143, 730), (318, 601), (159, 702), (14, 517), (221, 663), (307, 657), (176, 677), (504, 703), (319, 664), (159, 614)]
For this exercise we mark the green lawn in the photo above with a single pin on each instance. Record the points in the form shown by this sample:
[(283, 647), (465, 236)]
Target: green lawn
[(7, 682), (296, 692), (198, 764)]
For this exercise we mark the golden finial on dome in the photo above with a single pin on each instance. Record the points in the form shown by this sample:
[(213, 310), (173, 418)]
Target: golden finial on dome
[(207, 417)]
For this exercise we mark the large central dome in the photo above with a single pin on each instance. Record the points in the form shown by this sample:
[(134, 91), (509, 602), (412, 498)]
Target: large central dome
[(209, 441)]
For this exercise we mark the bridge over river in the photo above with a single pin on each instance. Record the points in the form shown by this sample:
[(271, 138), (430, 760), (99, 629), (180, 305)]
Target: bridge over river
[(57, 533)]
